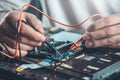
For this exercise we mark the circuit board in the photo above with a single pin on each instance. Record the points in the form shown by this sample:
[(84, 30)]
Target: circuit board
[(80, 64)]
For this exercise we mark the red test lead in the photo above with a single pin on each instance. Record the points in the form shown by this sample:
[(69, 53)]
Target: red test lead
[(76, 44)]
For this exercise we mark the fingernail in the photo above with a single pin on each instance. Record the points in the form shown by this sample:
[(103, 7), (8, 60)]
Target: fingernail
[(41, 30), (86, 37), (89, 44), (43, 39), (39, 44)]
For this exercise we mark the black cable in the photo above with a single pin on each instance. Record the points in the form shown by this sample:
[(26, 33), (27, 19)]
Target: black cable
[(57, 53), (5, 47), (18, 39), (8, 53)]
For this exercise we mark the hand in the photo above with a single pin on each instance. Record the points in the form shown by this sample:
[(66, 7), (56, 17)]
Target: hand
[(104, 32), (29, 36)]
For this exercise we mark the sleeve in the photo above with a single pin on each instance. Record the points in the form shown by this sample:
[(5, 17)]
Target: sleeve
[(10, 5), (3, 13)]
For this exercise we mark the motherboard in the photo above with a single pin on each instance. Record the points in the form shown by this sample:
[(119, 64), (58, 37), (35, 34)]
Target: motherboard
[(43, 63)]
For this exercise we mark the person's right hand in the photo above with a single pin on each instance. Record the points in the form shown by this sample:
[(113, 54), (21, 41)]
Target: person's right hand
[(29, 36)]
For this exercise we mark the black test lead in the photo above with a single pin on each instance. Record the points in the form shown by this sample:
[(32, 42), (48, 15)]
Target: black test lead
[(57, 53)]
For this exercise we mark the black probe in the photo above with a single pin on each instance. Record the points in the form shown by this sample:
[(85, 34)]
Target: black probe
[(57, 53)]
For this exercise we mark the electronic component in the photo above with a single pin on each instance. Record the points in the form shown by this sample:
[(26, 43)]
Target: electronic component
[(78, 64)]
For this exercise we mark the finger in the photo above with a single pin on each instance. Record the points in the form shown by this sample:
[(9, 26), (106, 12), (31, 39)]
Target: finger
[(7, 29), (30, 33), (13, 17), (115, 46), (103, 42), (103, 22), (25, 29), (28, 41), (103, 33), (12, 51), (12, 43), (34, 22)]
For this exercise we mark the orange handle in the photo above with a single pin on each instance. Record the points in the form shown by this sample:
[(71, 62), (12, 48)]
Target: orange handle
[(76, 44)]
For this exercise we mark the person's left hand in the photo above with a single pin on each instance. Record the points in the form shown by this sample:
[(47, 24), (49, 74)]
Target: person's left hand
[(104, 32)]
